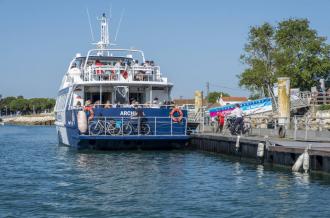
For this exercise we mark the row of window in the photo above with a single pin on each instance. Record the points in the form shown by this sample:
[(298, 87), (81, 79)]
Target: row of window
[(60, 102)]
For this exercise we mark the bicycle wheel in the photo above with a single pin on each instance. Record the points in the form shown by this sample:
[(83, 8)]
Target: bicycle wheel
[(95, 128), (111, 128), (126, 129), (145, 129)]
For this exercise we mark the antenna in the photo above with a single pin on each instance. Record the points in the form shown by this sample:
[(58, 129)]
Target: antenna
[(110, 12), (105, 41), (90, 24), (121, 18)]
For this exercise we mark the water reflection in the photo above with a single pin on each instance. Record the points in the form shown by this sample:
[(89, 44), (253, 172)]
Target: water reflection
[(302, 179), (238, 173), (260, 174)]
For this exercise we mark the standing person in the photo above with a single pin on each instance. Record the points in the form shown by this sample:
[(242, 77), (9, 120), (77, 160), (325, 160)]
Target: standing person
[(238, 113), (98, 66), (117, 68), (221, 122)]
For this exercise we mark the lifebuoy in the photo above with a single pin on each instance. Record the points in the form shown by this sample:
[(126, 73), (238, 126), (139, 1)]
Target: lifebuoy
[(173, 113), (91, 112)]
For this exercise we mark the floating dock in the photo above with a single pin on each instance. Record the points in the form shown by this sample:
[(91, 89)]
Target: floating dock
[(276, 151)]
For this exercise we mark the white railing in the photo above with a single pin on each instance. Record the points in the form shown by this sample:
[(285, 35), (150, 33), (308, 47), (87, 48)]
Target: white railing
[(108, 106), (122, 73), (137, 126)]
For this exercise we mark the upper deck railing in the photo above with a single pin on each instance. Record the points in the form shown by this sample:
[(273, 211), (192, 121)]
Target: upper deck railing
[(122, 73)]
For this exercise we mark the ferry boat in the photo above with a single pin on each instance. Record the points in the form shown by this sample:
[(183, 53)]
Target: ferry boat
[(113, 98)]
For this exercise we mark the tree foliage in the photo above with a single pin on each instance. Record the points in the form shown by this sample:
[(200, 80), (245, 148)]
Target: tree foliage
[(291, 48), (26, 106), (214, 96)]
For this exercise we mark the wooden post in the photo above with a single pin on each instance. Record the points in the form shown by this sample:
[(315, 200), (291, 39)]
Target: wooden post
[(284, 101)]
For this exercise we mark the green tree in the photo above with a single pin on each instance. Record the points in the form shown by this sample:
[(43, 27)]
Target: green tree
[(290, 49), (26, 106), (260, 57), (302, 54), (19, 104), (214, 96)]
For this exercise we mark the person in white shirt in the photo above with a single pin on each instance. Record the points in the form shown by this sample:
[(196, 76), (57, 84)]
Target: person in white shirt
[(238, 113)]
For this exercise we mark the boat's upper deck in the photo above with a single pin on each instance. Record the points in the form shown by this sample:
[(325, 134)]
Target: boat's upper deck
[(107, 65)]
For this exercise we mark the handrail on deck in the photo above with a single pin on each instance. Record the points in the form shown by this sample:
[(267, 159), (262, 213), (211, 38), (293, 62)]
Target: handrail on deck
[(115, 73)]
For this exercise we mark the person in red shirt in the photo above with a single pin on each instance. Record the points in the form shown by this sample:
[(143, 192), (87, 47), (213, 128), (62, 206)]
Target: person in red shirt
[(98, 66), (221, 121)]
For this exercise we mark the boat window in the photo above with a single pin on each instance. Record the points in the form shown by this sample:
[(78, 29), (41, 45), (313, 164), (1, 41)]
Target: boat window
[(60, 102), (139, 97), (121, 95), (106, 97), (92, 96), (77, 63)]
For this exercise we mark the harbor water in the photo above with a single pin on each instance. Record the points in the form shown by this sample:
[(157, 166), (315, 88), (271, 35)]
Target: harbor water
[(41, 179)]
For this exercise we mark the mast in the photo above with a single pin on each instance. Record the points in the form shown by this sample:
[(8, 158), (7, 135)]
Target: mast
[(104, 42)]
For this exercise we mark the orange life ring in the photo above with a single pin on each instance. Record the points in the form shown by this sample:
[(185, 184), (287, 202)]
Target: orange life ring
[(176, 118), (91, 112)]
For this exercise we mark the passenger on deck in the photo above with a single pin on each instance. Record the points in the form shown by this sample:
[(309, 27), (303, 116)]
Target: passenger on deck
[(78, 105), (117, 66), (136, 63), (116, 105), (98, 66), (89, 110), (155, 103), (107, 104), (97, 104)]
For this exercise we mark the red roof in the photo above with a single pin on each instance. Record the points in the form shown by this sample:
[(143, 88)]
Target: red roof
[(186, 101), (233, 98)]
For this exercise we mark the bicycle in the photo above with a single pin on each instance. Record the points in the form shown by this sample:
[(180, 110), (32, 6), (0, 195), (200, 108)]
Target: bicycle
[(247, 128), (132, 128), (102, 127), (144, 127)]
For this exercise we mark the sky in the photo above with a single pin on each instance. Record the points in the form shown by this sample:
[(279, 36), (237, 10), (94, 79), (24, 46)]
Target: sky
[(194, 42)]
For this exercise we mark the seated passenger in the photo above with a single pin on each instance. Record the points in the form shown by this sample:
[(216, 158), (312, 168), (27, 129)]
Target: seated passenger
[(107, 104), (155, 103), (136, 63), (116, 105), (78, 105), (97, 104)]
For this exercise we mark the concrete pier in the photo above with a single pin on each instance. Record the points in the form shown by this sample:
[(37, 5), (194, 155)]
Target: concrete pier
[(279, 151), (43, 119)]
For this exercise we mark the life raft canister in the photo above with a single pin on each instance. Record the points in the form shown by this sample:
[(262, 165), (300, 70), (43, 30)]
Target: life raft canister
[(82, 121), (176, 115)]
